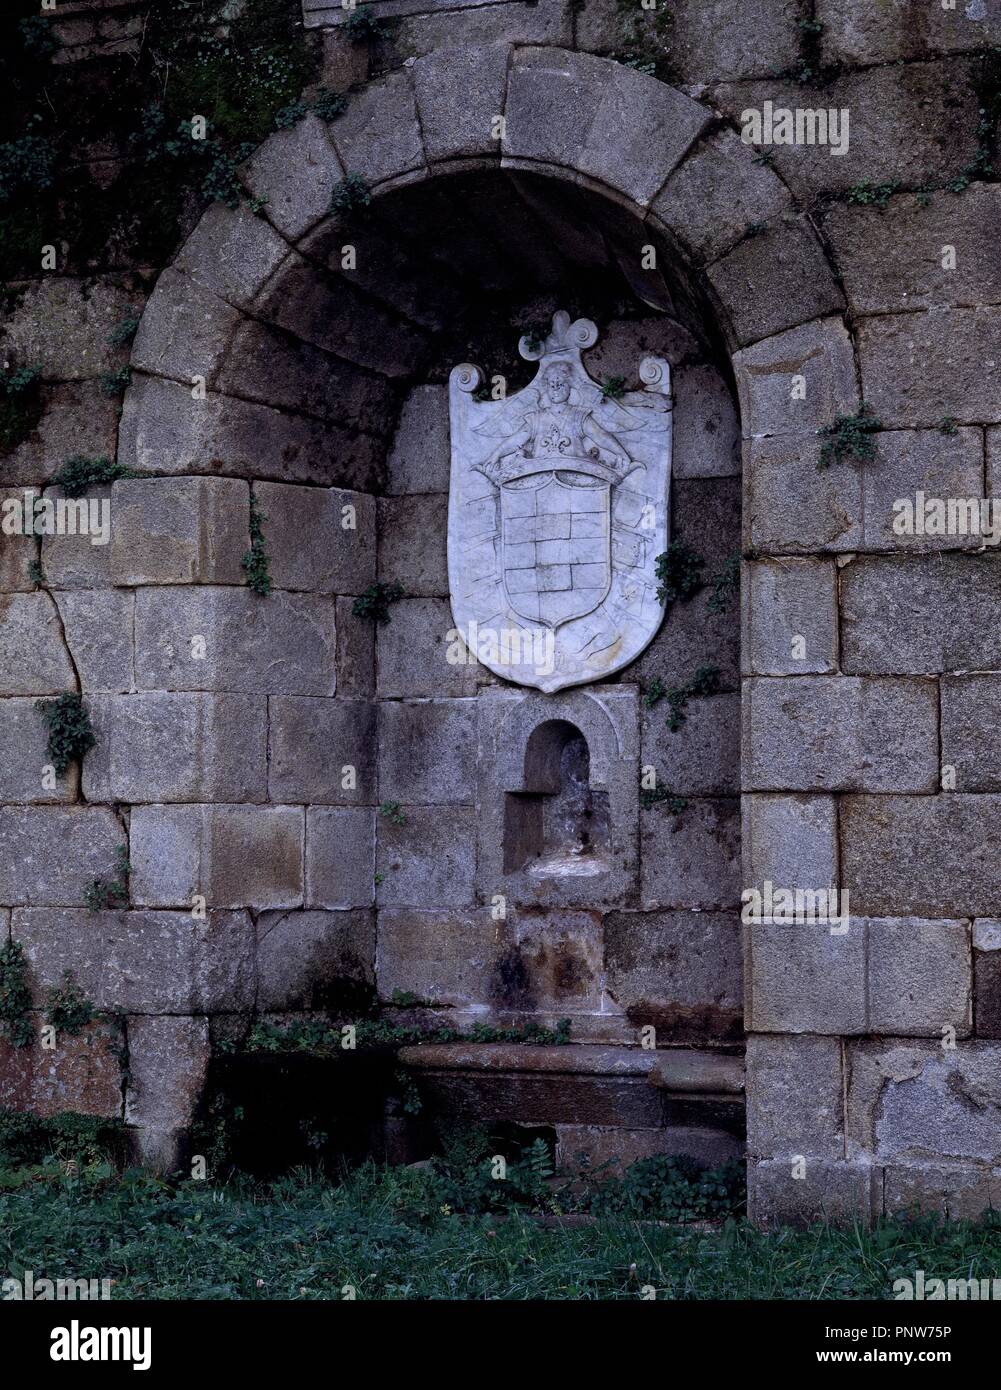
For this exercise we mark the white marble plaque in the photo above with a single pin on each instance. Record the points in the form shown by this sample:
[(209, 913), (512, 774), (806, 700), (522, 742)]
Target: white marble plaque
[(557, 511)]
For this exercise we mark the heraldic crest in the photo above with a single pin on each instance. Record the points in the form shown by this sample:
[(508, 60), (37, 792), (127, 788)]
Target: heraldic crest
[(558, 507)]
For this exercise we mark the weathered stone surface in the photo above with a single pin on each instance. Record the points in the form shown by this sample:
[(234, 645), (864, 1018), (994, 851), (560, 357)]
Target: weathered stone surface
[(272, 366), (794, 1097), (81, 560), (322, 751), (839, 1193), (891, 258), (804, 978), (328, 311), (459, 92), (841, 733), (344, 64), (63, 324), (551, 962), (25, 765), (614, 1150), (98, 626), (33, 656), (702, 758), (168, 1063), (179, 530), (719, 39), (427, 752), (795, 507), (165, 431), (716, 193), (378, 135), (50, 854), (79, 419), (81, 1073), (876, 33), (16, 552), (412, 652), (691, 637), (442, 957), (625, 342), (919, 368), (922, 856), (679, 971), (987, 978), (774, 281), (421, 288), (314, 960), (340, 856), (142, 962), (430, 860), (233, 856), (899, 615), (920, 977), (936, 103), (790, 841), (232, 253), (541, 1098), (792, 617), (295, 170), (774, 401), (184, 330), (279, 645), (547, 22), (412, 549), (960, 1192), (166, 746), (691, 859), (321, 540), (706, 516), (970, 713), (940, 466), (909, 1101), (706, 431), (355, 653), (419, 458), (615, 124)]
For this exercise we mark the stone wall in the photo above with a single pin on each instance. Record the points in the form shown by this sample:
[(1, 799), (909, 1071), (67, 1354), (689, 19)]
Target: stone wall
[(827, 282)]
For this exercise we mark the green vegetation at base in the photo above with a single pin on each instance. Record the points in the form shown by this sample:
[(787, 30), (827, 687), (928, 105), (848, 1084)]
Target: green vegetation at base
[(397, 1234)]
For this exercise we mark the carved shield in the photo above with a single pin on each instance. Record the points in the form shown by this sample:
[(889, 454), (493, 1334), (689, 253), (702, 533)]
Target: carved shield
[(558, 508), (555, 555)]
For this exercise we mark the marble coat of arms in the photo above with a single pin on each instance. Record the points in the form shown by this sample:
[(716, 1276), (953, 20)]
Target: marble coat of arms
[(558, 507)]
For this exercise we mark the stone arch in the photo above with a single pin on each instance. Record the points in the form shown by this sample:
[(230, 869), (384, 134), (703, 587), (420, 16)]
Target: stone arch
[(204, 397), (571, 116)]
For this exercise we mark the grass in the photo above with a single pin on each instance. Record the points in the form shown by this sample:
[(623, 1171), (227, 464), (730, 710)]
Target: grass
[(384, 1233)]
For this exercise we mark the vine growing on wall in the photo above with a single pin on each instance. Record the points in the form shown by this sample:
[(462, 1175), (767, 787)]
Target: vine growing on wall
[(256, 562), (206, 85), (15, 996), (71, 735)]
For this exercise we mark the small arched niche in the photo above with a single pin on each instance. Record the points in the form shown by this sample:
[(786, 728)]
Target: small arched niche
[(560, 824)]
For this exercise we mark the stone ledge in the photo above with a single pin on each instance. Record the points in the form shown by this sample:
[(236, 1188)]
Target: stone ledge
[(681, 1070)]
